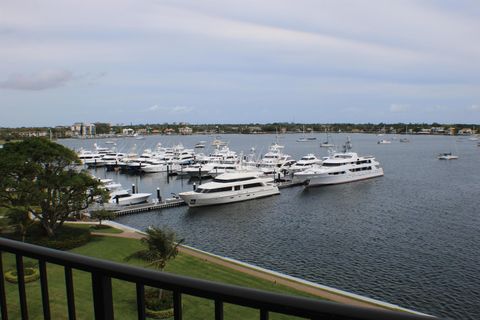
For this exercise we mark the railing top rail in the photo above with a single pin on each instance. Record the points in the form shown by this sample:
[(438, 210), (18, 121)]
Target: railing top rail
[(202, 288)]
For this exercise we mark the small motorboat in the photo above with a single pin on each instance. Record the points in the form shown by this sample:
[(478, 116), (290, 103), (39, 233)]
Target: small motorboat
[(447, 156)]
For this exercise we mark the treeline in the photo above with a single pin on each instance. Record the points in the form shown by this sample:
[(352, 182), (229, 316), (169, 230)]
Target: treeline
[(7, 134)]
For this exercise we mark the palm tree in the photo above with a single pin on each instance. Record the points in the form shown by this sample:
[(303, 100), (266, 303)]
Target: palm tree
[(162, 245)]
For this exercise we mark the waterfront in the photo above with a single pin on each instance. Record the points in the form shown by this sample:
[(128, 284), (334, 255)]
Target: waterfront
[(408, 238)]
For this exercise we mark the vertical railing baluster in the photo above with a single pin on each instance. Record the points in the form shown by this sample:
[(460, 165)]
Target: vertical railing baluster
[(177, 305), (3, 297), (44, 287), (102, 296), (21, 287), (141, 301), (263, 314), (218, 310), (70, 293)]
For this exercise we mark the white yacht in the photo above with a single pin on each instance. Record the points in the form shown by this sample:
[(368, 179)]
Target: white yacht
[(125, 198), (200, 144), (447, 156), (111, 185), (384, 141), (341, 168), (275, 161), (230, 187), (219, 143), (306, 162), (153, 166)]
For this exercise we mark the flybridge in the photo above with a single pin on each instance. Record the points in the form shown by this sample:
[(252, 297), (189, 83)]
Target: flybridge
[(220, 179)]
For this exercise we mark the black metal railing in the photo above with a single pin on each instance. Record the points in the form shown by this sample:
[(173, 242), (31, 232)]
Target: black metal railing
[(102, 272)]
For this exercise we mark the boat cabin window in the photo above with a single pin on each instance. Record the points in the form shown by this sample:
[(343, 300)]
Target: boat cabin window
[(332, 164), (224, 189), (336, 173), (252, 185)]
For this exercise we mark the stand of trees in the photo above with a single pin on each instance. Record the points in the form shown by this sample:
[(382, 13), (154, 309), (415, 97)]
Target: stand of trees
[(40, 178)]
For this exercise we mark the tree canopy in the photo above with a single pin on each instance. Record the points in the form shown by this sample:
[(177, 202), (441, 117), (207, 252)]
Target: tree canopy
[(41, 177)]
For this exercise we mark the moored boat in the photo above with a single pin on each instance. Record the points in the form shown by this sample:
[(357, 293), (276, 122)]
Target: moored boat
[(230, 187)]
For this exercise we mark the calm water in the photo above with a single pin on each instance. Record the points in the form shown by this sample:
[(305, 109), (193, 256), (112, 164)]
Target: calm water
[(409, 238)]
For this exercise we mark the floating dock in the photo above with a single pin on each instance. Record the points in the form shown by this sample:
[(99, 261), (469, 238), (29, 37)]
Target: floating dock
[(149, 207)]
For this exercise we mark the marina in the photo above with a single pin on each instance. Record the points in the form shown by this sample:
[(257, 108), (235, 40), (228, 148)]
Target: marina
[(378, 238)]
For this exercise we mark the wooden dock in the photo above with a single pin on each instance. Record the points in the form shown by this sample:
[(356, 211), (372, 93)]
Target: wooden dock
[(149, 207)]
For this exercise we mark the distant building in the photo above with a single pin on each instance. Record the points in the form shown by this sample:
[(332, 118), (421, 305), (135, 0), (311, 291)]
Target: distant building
[(255, 129), (168, 131), (185, 130), (424, 131), (80, 129), (29, 134), (438, 130), (128, 132), (466, 131)]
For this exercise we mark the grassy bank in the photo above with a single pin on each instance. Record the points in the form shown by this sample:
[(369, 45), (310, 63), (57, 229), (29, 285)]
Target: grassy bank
[(116, 249)]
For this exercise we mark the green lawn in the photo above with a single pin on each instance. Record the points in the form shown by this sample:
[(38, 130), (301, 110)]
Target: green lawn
[(116, 249)]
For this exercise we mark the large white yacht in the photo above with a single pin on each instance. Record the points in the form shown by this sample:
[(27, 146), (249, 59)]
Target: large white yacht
[(341, 168), (230, 187), (275, 161), (306, 162)]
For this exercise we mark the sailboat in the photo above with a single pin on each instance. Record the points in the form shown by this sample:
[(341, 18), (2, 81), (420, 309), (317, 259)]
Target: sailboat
[(405, 139), (303, 138), (327, 143)]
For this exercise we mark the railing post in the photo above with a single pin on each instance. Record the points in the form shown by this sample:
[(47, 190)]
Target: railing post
[(141, 301), (3, 297), (44, 288), (102, 296), (21, 287), (177, 305), (218, 310), (70, 293), (263, 314)]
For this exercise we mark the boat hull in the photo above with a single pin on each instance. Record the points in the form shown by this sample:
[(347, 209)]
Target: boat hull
[(194, 199), (137, 198), (326, 179)]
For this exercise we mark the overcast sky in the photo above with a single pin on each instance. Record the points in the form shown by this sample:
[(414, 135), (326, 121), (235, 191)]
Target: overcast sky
[(222, 61)]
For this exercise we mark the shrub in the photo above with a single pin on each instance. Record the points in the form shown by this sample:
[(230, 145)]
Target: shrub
[(66, 238)]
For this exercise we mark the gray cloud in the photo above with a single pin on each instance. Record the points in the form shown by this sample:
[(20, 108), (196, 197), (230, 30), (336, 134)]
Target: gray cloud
[(42, 80)]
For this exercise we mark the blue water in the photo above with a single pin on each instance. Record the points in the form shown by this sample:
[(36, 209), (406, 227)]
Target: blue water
[(410, 238)]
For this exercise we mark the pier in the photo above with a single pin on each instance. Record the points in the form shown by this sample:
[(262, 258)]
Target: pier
[(149, 207)]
